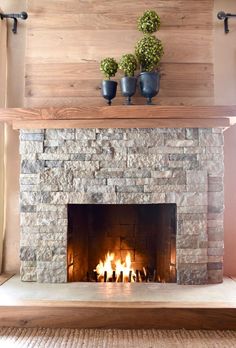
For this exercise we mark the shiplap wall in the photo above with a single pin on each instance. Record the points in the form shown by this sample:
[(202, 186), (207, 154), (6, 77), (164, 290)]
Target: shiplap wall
[(66, 39)]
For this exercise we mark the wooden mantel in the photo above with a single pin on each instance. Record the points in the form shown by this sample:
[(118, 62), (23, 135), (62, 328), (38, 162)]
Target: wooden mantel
[(137, 116)]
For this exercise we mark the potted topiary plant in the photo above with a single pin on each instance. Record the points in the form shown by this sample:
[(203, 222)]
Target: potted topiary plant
[(149, 51), (128, 64), (109, 68)]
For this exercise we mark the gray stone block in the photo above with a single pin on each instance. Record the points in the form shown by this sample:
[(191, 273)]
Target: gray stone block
[(81, 157), (215, 251), (187, 241), (158, 197), (27, 254), (134, 198), (29, 179), (29, 188), (165, 150), (181, 143), (196, 177), (29, 147), (85, 134), (44, 254), (215, 276), (31, 167), (129, 189), (215, 266), (183, 157), (54, 164), (136, 173), (56, 275), (28, 208), (28, 219), (211, 139), (192, 227), (31, 136), (28, 274), (109, 173), (192, 274), (191, 133), (55, 134), (31, 131)]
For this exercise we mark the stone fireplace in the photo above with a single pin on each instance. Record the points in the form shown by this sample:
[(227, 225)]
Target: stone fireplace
[(61, 168)]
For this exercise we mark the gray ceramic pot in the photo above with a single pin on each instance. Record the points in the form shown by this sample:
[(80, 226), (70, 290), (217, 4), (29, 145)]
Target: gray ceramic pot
[(149, 85), (109, 88), (128, 87)]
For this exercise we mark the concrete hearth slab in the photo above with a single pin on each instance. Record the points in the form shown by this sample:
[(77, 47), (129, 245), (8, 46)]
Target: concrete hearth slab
[(117, 294), (124, 306)]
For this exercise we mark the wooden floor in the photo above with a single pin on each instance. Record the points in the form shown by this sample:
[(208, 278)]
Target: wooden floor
[(91, 305)]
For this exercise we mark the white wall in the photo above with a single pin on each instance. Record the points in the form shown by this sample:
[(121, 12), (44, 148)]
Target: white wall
[(225, 94), (15, 98)]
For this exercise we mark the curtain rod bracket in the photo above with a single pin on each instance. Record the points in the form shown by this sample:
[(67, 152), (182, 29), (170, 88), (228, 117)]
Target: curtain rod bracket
[(14, 16), (225, 17)]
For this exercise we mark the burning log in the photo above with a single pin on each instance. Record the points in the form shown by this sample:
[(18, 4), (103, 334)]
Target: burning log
[(111, 265), (130, 276), (121, 276), (105, 276), (154, 278), (146, 274), (113, 276), (139, 276)]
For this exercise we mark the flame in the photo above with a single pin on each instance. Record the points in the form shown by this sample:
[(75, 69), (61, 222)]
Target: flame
[(110, 264)]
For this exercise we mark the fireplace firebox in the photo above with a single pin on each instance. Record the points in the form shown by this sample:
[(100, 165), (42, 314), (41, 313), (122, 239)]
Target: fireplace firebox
[(122, 242)]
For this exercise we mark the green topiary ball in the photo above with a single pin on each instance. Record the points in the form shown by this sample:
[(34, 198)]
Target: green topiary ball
[(128, 64), (149, 51), (109, 67), (149, 22)]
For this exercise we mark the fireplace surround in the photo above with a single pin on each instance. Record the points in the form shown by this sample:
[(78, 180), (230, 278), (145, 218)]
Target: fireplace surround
[(181, 166)]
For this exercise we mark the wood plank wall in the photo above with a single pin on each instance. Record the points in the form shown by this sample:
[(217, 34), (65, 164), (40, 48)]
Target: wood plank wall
[(67, 39)]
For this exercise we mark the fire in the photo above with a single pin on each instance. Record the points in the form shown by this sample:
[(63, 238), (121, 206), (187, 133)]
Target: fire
[(112, 268)]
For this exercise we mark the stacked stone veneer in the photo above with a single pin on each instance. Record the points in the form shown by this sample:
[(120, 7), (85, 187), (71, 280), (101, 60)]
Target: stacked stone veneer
[(182, 166)]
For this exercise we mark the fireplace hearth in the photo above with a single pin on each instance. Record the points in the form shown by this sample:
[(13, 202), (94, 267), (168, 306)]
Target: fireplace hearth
[(122, 242), (67, 169)]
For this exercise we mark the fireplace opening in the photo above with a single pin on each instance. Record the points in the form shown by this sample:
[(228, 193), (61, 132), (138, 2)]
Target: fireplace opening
[(121, 243)]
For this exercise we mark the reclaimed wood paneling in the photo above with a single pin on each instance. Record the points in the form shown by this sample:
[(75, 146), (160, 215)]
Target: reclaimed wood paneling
[(118, 112), (67, 39), (124, 123)]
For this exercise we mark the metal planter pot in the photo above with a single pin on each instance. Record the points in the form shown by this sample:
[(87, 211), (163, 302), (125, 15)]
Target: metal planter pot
[(109, 88), (128, 87), (149, 85)]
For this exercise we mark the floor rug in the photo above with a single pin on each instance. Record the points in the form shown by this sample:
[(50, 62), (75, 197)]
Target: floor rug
[(73, 338)]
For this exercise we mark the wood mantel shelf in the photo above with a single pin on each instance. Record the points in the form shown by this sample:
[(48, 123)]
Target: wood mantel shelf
[(137, 116)]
